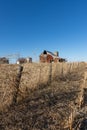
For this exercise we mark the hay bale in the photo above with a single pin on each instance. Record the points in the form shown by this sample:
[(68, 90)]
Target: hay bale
[(33, 76), (8, 74)]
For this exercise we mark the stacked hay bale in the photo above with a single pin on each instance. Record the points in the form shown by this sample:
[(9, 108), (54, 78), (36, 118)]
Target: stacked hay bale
[(39, 75), (52, 107), (8, 74)]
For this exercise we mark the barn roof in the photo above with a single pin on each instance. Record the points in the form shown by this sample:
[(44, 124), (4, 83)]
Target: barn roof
[(50, 53)]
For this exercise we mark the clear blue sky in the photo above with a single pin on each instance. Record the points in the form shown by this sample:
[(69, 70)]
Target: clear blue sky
[(30, 26)]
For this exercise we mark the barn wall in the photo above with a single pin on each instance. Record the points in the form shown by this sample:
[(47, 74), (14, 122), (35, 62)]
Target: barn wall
[(48, 59)]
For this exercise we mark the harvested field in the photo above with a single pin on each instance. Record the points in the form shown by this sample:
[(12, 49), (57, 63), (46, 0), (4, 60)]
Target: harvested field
[(48, 97)]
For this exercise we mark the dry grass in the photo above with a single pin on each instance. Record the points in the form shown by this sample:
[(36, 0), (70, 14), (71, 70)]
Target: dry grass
[(48, 97)]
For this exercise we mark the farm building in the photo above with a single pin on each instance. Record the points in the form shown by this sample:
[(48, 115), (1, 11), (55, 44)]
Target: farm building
[(4, 60), (24, 60), (49, 57)]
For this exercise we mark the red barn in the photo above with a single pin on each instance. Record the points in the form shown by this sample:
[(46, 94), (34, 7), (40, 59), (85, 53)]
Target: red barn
[(49, 57)]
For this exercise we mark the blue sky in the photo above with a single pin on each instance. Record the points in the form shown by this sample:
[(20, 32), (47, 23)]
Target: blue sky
[(30, 26)]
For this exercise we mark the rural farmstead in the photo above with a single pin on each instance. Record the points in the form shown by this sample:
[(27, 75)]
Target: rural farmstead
[(47, 56), (24, 60), (4, 60)]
